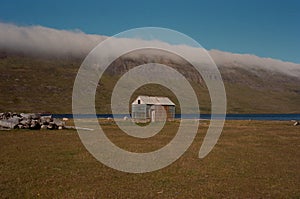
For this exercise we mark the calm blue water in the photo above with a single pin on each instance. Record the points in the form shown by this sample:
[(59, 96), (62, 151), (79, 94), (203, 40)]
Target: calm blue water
[(283, 117)]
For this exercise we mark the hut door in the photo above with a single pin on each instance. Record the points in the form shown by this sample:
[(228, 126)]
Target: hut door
[(153, 116)]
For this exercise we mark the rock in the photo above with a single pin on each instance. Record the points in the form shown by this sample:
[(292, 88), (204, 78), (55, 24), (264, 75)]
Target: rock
[(24, 115), (46, 119), (25, 122), (58, 122), (14, 120), (6, 115), (9, 123), (34, 116), (29, 121), (51, 126), (43, 126), (17, 117), (4, 129), (35, 125)]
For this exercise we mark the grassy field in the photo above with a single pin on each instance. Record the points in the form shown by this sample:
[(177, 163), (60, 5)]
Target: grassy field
[(252, 159)]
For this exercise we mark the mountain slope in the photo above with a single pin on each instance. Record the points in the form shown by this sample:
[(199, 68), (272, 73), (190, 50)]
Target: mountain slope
[(32, 84)]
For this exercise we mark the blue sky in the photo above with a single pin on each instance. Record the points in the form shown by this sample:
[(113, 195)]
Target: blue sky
[(262, 27)]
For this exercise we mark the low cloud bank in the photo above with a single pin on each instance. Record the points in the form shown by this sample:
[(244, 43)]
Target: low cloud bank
[(46, 41), (248, 61), (40, 40)]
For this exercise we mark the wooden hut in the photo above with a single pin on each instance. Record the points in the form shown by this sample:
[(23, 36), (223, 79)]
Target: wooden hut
[(150, 108)]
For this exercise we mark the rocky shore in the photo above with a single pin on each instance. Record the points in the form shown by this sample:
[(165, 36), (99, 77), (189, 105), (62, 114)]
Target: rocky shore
[(32, 121)]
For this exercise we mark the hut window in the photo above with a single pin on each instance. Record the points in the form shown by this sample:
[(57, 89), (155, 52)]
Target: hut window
[(139, 101)]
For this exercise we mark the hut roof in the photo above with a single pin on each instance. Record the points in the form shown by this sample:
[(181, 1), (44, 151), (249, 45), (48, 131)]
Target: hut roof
[(156, 100)]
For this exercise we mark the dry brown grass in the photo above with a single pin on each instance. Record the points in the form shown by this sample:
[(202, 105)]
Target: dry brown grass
[(253, 159)]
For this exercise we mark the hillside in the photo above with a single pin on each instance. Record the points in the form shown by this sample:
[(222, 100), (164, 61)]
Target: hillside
[(44, 84)]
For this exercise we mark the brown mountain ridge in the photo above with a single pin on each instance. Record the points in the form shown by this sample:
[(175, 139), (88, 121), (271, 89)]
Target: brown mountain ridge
[(44, 84)]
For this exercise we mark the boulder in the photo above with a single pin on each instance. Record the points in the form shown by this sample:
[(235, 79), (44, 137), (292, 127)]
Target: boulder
[(58, 122), (51, 126), (43, 126), (46, 119), (35, 125), (9, 123), (34, 116)]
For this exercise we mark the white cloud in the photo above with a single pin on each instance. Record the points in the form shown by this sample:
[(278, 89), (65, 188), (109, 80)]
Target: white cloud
[(248, 61), (42, 40)]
